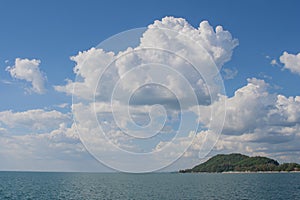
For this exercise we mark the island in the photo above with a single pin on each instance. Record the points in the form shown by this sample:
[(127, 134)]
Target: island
[(236, 162)]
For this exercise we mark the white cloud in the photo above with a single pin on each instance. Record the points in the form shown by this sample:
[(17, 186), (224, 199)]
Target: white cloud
[(274, 62), (28, 70), (193, 44), (42, 140), (62, 105), (229, 73), (89, 64), (252, 107), (218, 43), (257, 123), (242, 110), (291, 62), (37, 120), (175, 65), (256, 119), (6, 82), (58, 150)]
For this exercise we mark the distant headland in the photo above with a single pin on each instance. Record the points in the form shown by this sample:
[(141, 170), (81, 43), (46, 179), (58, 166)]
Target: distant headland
[(236, 162)]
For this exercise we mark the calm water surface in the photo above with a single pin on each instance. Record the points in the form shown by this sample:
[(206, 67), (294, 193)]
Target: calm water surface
[(42, 185)]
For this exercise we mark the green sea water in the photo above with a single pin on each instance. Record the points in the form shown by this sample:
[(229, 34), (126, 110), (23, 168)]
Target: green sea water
[(52, 185)]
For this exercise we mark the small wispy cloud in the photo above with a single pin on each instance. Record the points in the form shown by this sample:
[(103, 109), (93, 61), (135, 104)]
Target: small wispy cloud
[(265, 76), (274, 62), (229, 73), (7, 82), (63, 105)]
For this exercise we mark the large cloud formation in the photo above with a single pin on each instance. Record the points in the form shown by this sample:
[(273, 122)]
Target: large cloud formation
[(173, 34), (175, 66), (28, 70), (257, 122)]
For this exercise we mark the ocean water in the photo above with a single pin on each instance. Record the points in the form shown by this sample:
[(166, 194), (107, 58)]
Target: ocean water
[(48, 185)]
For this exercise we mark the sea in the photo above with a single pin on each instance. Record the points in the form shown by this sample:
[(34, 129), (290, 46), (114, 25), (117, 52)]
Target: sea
[(60, 185)]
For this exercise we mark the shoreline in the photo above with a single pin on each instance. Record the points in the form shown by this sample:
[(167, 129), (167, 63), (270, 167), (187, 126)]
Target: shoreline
[(260, 172), (243, 172)]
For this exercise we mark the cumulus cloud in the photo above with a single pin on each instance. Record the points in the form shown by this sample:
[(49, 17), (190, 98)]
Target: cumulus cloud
[(291, 62), (57, 150), (173, 34), (117, 105), (256, 120), (175, 65), (253, 107), (257, 123), (28, 70), (34, 121), (46, 138), (218, 43)]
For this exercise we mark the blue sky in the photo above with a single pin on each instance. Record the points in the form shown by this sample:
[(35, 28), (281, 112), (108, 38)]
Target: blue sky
[(53, 31)]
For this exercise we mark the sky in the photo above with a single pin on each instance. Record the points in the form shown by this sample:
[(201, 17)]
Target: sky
[(51, 53)]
